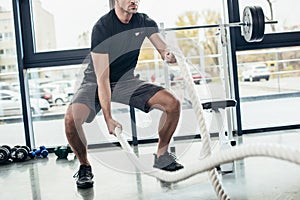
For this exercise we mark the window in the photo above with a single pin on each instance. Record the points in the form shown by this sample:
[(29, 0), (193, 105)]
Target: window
[(56, 86), (269, 87), (10, 52), (11, 68), (176, 9), (50, 21), (8, 36), (5, 22), (11, 122)]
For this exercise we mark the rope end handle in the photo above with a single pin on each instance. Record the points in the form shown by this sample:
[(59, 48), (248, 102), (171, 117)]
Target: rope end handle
[(118, 131)]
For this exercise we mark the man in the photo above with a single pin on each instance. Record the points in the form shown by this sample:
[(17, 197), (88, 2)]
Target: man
[(116, 41)]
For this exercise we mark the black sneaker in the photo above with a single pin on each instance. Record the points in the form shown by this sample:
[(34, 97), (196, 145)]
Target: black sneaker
[(167, 162), (84, 177)]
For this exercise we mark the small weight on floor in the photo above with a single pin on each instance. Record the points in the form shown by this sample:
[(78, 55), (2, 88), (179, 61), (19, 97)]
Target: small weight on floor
[(62, 151), (13, 153), (42, 152), (4, 154), (19, 153)]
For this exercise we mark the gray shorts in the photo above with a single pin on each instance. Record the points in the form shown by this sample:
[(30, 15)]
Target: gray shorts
[(133, 92)]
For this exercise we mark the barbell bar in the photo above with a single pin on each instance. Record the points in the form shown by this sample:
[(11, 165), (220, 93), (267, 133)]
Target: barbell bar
[(252, 25)]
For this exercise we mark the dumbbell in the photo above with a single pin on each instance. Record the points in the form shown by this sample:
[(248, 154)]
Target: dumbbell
[(62, 152), (4, 154), (42, 152), (19, 153)]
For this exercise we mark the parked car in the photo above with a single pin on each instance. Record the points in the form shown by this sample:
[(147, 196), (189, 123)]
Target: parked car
[(4, 86), (256, 73), (40, 93), (57, 93), (67, 86), (10, 104), (198, 78)]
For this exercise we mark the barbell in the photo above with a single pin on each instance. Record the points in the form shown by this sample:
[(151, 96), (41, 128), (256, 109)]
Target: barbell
[(252, 25)]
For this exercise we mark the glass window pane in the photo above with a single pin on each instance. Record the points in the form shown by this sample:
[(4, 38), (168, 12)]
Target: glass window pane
[(57, 85), (65, 24), (51, 87), (11, 121), (283, 11), (207, 72), (157, 9), (199, 47), (269, 87)]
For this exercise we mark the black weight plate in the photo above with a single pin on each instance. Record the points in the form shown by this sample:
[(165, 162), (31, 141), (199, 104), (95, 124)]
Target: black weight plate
[(4, 155), (247, 20), (261, 23), (250, 20), (245, 28), (7, 147), (21, 154), (254, 24), (13, 153), (27, 148)]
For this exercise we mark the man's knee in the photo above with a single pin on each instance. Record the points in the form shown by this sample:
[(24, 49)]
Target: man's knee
[(69, 120), (172, 105), (165, 101), (75, 116)]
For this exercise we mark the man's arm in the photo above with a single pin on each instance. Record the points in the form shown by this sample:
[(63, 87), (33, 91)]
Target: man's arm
[(101, 65), (161, 46)]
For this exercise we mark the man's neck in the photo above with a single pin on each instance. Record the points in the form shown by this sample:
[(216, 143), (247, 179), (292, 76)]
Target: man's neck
[(123, 16)]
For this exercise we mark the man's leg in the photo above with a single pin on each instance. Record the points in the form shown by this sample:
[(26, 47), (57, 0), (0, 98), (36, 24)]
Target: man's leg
[(170, 105), (146, 96), (76, 115)]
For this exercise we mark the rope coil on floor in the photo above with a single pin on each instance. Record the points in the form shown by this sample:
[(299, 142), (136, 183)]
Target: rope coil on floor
[(209, 161), (202, 165)]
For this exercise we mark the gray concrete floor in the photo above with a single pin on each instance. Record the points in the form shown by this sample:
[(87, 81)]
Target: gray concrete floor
[(116, 178)]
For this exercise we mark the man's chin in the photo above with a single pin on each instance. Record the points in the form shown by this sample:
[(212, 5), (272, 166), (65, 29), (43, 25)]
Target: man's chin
[(132, 11)]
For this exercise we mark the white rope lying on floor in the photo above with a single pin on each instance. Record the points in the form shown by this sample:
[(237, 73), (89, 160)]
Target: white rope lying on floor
[(235, 153)]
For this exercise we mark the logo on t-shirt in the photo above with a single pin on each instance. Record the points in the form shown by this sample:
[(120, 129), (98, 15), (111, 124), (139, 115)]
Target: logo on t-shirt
[(138, 33)]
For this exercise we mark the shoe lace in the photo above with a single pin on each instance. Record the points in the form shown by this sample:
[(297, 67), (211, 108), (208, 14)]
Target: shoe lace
[(76, 175), (81, 173), (173, 156)]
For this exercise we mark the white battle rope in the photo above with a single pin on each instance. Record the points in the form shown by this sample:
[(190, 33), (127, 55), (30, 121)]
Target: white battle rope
[(209, 161)]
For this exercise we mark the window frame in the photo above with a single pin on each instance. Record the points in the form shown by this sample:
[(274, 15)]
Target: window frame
[(76, 56), (238, 43)]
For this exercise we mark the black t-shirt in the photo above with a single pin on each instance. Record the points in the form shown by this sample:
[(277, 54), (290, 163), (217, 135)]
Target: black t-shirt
[(121, 41)]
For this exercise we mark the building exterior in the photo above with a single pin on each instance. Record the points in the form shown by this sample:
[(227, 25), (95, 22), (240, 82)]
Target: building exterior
[(45, 37), (7, 42)]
